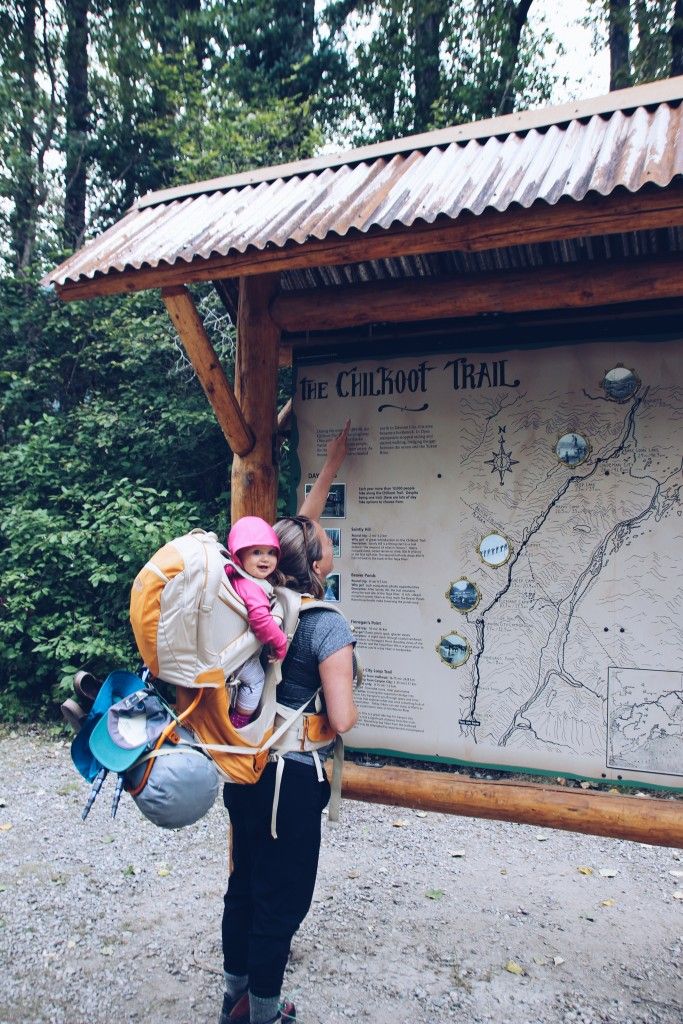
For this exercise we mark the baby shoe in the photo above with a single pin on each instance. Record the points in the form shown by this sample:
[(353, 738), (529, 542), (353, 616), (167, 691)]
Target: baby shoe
[(238, 720)]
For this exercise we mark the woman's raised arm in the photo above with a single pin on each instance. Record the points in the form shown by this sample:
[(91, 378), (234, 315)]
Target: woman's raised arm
[(337, 449)]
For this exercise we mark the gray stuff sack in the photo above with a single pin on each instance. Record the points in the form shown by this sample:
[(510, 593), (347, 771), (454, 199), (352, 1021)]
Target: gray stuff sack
[(182, 785)]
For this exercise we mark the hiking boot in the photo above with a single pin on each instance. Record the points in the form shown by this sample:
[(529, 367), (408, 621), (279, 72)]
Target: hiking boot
[(238, 1012), (235, 1011)]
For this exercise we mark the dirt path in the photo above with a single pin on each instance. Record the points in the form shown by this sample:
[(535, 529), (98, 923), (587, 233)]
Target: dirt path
[(417, 918)]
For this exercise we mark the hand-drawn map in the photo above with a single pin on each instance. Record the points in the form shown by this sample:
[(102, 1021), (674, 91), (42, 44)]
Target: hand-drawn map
[(510, 537)]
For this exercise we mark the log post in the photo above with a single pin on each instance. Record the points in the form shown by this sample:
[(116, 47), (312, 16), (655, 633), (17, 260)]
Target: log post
[(254, 475), (659, 822), (190, 328)]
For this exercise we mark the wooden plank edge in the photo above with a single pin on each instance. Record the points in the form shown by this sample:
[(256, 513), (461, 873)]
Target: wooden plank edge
[(570, 286), (658, 822)]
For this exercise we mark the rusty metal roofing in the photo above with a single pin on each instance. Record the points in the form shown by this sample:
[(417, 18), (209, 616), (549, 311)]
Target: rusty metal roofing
[(626, 140)]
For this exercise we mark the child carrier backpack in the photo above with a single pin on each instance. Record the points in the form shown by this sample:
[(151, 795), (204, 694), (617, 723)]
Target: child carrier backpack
[(190, 625), (192, 631)]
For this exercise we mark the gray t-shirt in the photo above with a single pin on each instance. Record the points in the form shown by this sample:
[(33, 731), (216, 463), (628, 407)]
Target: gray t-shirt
[(319, 634)]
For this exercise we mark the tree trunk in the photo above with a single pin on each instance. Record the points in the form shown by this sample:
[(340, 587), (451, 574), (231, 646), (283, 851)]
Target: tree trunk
[(500, 31), (196, 32), (428, 18), (123, 67), (76, 62), (516, 18), (677, 40), (619, 43), (308, 22), (23, 218)]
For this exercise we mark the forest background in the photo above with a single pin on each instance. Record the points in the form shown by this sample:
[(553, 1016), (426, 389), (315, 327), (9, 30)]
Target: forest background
[(108, 447)]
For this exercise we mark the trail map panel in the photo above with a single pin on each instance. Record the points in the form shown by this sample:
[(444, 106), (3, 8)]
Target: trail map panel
[(509, 530)]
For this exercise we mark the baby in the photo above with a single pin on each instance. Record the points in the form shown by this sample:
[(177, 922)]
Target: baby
[(254, 547)]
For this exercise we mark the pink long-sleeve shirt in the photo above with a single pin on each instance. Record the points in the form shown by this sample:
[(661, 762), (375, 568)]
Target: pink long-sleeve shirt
[(262, 623)]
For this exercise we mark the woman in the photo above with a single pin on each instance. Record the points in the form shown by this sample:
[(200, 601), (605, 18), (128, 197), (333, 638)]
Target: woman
[(272, 880)]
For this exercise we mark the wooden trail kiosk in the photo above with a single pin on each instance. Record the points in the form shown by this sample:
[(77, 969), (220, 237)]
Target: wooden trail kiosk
[(531, 224)]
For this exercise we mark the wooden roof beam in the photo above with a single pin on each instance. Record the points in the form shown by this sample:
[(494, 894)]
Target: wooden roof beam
[(227, 290), (569, 286), (284, 416), (622, 211), (203, 357)]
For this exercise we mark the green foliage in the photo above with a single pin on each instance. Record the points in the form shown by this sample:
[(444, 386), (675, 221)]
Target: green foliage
[(109, 449), (482, 59), (66, 572), (650, 38)]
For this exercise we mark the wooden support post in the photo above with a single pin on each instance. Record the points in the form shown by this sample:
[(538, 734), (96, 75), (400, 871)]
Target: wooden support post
[(284, 415), (659, 822), (573, 286), (254, 477), (190, 328)]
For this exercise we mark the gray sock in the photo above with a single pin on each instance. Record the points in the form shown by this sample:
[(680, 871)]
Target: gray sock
[(263, 1010), (235, 984)]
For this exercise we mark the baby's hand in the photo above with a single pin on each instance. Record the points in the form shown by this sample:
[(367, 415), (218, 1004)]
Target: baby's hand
[(272, 659)]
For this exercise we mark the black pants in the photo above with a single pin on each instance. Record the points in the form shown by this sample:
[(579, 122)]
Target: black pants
[(271, 885)]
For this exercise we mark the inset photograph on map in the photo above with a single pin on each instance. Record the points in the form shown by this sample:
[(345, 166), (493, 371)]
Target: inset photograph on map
[(334, 533), (620, 383), (572, 449), (335, 503), (332, 587), (463, 595), (495, 549), (453, 649)]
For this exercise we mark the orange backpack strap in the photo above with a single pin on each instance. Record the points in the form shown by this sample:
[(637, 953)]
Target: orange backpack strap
[(169, 734)]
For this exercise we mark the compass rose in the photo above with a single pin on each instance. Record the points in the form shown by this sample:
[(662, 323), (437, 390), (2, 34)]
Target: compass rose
[(502, 461)]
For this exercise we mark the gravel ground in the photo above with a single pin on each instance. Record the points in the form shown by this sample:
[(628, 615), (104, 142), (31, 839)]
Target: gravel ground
[(417, 917)]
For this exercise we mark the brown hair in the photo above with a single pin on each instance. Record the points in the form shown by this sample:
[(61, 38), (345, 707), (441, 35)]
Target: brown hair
[(300, 547)]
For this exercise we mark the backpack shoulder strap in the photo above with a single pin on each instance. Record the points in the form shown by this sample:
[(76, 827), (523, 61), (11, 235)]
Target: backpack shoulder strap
[(309, 603), (265, 586), (290, 603)]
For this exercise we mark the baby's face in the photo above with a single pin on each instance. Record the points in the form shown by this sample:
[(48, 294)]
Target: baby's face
[(259, 561)]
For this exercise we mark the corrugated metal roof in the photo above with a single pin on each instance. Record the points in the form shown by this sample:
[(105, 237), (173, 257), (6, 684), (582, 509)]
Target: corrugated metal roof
[(622, 148)]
